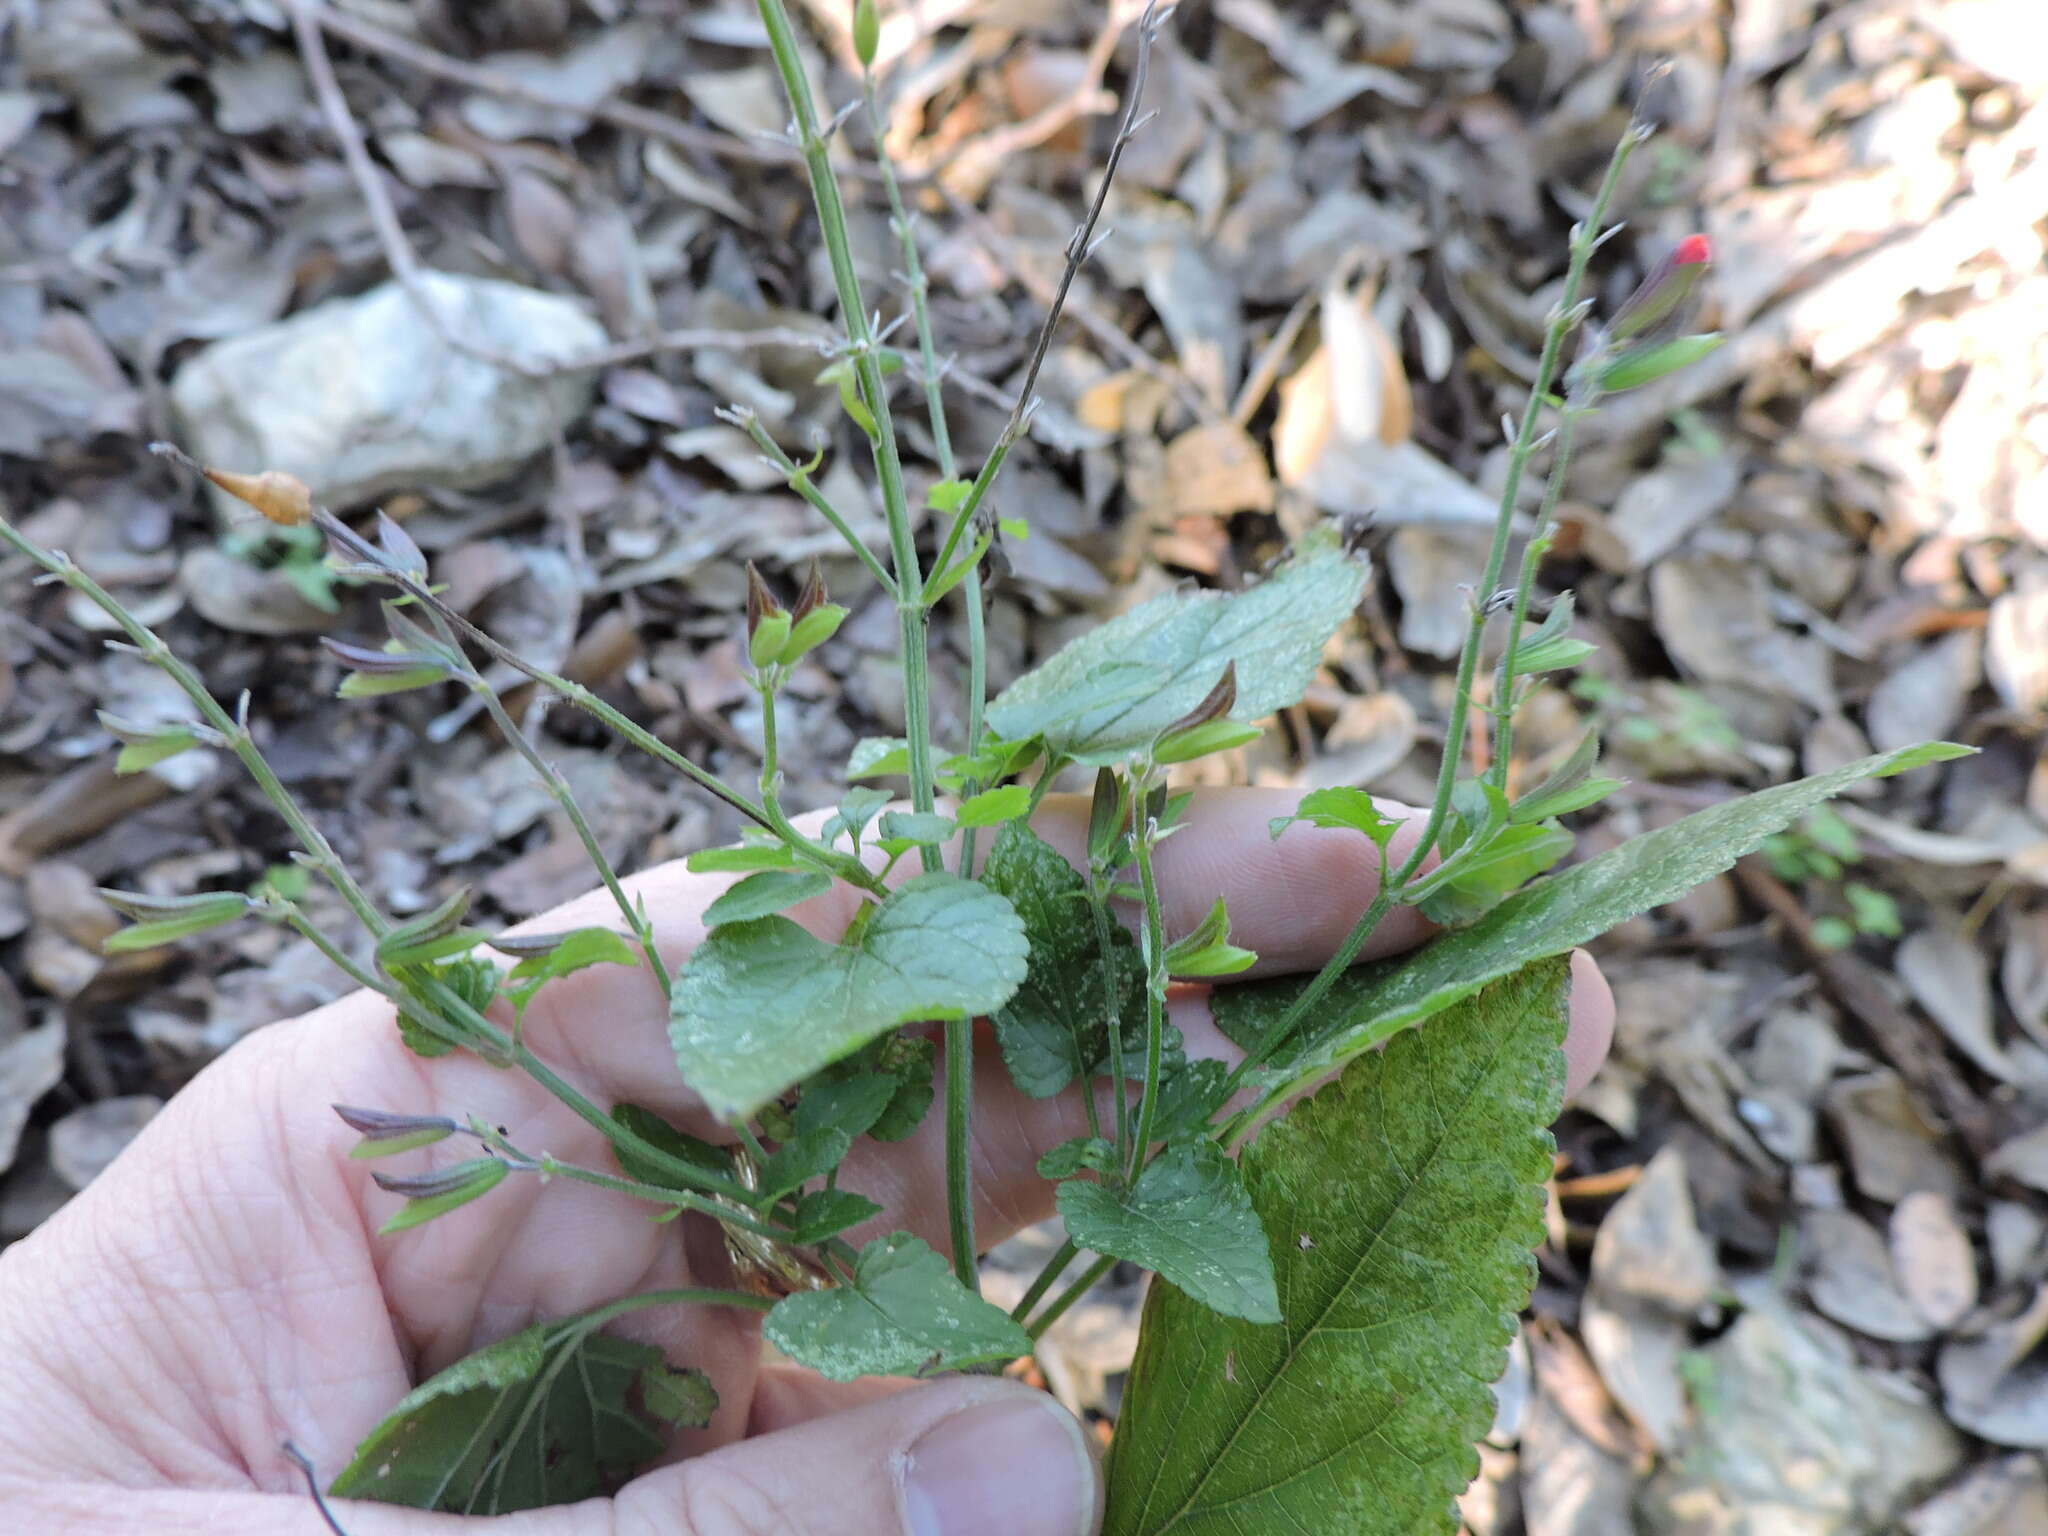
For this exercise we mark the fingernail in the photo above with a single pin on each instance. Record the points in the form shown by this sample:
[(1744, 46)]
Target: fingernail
[(1013, 1467)]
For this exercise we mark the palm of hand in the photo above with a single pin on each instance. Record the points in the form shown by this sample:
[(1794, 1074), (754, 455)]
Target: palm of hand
[(222, 1290)]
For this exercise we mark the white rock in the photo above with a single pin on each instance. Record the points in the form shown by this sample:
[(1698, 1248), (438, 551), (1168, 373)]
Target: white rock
[(361, 397)]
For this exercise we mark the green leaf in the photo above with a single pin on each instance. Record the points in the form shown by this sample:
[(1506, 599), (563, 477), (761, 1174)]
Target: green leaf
[(135, 756), (1200, 740), (905, 1314), (547, 1416), (725, 861), (166, 919), (1401, 1205), (992, 807), (372, 685), (874, 756), (421, 1023), (1485, 875), (1207, 951), (1341, 807), (577, 950), (765, 893), (1372, 1002), (680, 1145), (1091, 1153), (1146, 669), (805, 1156), (1188, 1218), (827, 1212), (1055, 1027), (914, 828), (762, 1005), (946, 495), (1646, 365)]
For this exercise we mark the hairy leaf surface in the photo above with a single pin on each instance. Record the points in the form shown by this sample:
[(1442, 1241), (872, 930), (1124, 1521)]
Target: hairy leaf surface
[(1117, 687), (904, 1314), (764, 1004), (1188, 1218), (1372, 1002), (1401, 1203), (547, 1416)]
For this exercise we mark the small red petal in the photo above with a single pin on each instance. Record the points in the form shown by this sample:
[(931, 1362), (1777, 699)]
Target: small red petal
[(1693, 250)]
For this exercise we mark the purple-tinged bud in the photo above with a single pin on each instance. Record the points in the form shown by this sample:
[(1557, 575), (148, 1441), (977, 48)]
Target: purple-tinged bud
[(1670, 289)]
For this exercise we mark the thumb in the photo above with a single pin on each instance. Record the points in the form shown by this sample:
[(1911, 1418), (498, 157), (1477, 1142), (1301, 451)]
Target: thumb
[(968, 1457)]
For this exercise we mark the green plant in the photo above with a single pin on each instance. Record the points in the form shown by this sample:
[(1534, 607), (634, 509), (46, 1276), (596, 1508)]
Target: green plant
[(1342, 1294), (1817, 855)]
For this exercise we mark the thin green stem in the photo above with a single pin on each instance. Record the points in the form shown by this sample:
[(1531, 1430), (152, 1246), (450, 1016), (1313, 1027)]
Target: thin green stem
[(1155, 987), (1073, 1293), (845, 866), (232, 731), (654, 1194), (686, 1296), (867, 366), (687, 1175), (295, 917), (558, 787), (1532, 560), (1564, 320), (1054, 1267), (1112, 1008), (960, 1150), (799, 479)]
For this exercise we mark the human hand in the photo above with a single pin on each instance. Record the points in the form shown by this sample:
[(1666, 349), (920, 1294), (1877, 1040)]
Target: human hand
[(220, 1289)]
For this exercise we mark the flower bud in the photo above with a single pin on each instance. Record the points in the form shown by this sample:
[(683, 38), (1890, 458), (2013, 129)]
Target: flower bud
[(768, 622), (1668, 289), (434, 1194), (867, 32), (385, 1134)]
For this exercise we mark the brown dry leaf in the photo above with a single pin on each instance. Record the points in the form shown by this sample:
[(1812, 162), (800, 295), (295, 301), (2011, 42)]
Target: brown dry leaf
[(1922, 698), (1216, 469), (1931, 1254), (1849, 1278), (2016, 651), (1996, 1384), (1800, 1438), (1949, 976), (238, 596), (1994, 1498), (1658, 511), (1892, 1148), (1571, 1486), (543, 220), (31, 1062)]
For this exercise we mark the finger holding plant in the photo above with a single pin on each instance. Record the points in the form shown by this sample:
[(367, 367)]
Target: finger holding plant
[(820, 985)]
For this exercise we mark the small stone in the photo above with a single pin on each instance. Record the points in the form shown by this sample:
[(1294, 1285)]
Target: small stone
[(360, 397)]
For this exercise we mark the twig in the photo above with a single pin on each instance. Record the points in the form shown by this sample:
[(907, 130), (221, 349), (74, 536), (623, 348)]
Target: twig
[(1078, 250), (304, 1463), (309, 19)]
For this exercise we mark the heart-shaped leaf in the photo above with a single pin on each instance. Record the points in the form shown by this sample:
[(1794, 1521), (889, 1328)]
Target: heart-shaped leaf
[(764, 1004)]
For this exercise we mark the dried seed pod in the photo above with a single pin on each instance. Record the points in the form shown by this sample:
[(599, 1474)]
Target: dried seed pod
[(283, 499)]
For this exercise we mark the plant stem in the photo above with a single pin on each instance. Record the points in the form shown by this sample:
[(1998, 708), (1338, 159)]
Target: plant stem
[(320, 852), (800, 481), (960, 1150), (295, 916), (687, 1296), (1112, 1008), (1155, 985), (1054, 1266), (1564, 320), (1070, 1295), (558, 787), (655, 1194), (844, 866), (1532, 559), (867, 365), (1078, 249)]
